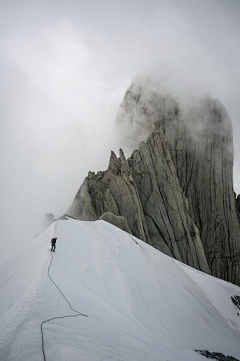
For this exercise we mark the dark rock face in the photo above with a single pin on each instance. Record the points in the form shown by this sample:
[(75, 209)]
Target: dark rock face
[(236, 301), (208, 185), (216, 356), (237, 203), (176, 189)]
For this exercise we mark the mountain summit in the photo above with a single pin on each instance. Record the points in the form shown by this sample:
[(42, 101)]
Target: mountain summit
[(175, 191)]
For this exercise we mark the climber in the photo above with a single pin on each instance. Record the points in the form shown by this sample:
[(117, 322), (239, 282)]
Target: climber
[(53, 244)]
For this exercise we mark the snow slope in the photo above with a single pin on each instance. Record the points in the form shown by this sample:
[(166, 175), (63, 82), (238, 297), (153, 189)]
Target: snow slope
[(141, 304)]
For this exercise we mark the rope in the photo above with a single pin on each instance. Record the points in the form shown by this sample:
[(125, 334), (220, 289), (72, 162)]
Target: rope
[(55, 318)]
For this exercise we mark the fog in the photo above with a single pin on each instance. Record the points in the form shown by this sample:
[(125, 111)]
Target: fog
[(65, 66)]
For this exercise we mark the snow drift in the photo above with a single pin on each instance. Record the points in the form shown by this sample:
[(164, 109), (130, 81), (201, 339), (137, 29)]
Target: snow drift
[(141, 304)]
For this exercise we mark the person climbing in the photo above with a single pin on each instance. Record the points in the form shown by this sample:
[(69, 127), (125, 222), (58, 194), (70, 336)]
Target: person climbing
[(53, 244)]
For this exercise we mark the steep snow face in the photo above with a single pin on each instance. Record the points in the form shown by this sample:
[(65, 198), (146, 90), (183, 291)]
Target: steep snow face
[(141, 304)]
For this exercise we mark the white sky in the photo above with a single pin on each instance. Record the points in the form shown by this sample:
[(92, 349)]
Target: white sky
[(65, 66)]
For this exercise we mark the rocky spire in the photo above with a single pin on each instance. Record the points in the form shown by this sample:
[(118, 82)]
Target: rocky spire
[(176, 189), (199, 135)]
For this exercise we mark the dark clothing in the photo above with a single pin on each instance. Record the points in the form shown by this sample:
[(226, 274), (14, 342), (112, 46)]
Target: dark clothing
[(53, 244)]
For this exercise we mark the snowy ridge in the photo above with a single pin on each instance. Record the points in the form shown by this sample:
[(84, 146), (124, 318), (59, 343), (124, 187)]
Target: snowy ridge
[(141, 304)]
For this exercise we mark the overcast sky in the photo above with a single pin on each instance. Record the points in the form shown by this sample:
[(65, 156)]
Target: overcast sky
[(65, 66)]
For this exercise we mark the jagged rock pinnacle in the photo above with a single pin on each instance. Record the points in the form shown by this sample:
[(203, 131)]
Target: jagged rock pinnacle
[(176, 189)]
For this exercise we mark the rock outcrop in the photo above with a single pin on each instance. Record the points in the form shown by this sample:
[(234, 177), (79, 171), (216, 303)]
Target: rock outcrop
[(216, 356), (115, 191), (176, 189), (118, 221), (145, 190)]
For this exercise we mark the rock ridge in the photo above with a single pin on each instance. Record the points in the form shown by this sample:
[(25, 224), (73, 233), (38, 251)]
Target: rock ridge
[(176, 189)]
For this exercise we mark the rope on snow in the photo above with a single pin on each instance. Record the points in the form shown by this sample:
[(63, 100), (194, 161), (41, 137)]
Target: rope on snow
[(59, 317)]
